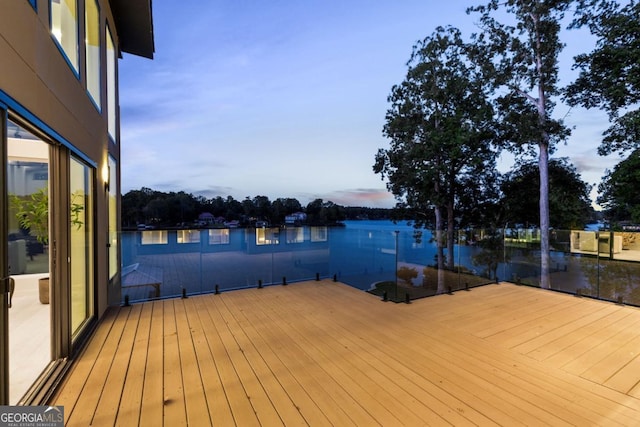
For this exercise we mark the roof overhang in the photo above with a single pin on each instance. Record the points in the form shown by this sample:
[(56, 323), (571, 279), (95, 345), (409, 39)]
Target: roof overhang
[(134, 22)]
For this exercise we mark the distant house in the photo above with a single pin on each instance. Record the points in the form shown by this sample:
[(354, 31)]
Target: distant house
[(206, 218), (295, 218)]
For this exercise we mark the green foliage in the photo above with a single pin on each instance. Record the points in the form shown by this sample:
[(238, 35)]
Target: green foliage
[(32, 213), (439, 126), (147, 206), (407, 274), (619, 194), (569, 202), (440, 129), (321, 212), (491, 255), (610, 75)]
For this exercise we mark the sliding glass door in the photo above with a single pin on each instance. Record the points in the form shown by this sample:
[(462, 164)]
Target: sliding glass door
[(27, 170), (47, 233), (81, 244)]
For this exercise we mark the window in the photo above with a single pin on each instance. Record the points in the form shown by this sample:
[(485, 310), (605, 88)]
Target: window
[(33, 3), (267, 236), (92, 49), (188, 236), (64, 28), (219, 237), (113, 218), (318, 234), (295, 235), (111, 86), (155, 237)]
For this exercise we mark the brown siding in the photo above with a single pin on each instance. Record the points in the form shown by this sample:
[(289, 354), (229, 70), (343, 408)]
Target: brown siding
[(34, 73)]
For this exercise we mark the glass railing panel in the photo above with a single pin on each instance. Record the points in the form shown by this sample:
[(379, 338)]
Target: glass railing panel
[(164, 263), (363, 258), (522, 256), (562, 274), (484, 252), (617, 281), (304, 255), (626, 245), (416, 267), (586, 242)]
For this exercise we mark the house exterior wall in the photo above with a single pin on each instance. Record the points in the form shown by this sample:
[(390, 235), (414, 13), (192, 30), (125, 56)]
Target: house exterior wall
[(42, 93), (35, 74)]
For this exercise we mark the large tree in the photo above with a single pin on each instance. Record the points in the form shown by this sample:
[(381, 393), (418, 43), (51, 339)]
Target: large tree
[(520, 60), (610, 75), (619, 194), (569, 201), (439, 130)]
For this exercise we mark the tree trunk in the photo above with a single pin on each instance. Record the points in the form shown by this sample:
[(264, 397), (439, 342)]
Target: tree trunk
[(450, 235), (543, 164), (440, 249)]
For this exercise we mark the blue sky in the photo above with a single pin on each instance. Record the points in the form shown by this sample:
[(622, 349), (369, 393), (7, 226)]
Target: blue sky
[(286, 98)]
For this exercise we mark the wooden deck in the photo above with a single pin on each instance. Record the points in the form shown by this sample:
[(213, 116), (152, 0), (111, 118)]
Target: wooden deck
[(323, 353)]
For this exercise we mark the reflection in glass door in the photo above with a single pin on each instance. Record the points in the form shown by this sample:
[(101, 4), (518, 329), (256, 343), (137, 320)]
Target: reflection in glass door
[(28, 253), (81, 244)]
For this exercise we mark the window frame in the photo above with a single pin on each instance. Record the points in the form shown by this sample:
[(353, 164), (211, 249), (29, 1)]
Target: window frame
[(74, 67), (111, 85), (187, 236), (154, 237), (221, 233), (96, 102), (267, 236)]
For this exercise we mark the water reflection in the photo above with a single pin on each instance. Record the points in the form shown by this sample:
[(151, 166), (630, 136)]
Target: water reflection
[(376, 256)]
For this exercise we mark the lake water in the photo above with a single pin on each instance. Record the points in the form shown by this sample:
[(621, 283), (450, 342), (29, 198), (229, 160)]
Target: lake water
[(360, 254)]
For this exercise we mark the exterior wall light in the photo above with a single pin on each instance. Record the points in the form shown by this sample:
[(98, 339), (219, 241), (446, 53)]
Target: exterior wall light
[(106, 173)]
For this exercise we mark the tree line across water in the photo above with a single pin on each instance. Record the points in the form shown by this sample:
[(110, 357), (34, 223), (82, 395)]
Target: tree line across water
[(181, 209), (515, 202)]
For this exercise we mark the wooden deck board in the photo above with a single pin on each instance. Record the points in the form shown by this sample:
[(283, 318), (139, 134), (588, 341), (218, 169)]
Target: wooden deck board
[(82, 368), (251, 384), (298, 396), (322, 371), (236, 395), (152, 404), (94, 381), (507, 408), (195, 400), (174, 397), (112, 391), (216, 398), (577, 341), (606, 345), (306, 372), (322, 353), (129, 405), (289, 414), (373, 371), (574, 319)]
